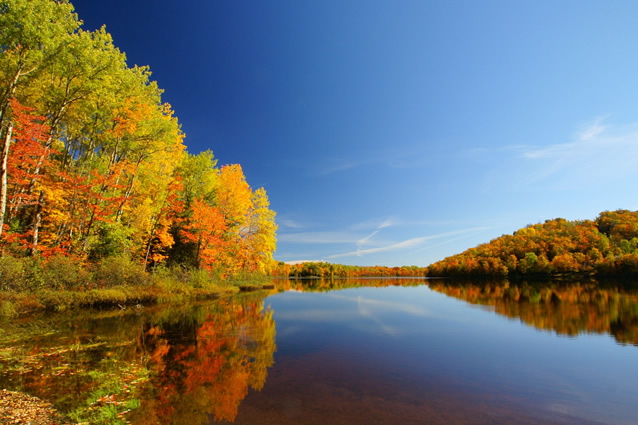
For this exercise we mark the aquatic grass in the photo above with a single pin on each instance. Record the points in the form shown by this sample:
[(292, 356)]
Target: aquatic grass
[(114, 396)]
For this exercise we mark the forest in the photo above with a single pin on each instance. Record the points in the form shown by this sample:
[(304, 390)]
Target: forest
[(606, 246), (312, 269), (94, 170)]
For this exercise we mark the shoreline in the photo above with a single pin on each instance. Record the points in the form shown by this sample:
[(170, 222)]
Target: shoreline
[(13, 304), (20, 408)]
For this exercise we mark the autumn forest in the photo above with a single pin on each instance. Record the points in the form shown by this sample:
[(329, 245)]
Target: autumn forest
[(606, 246), (94, 165), (95, 176)]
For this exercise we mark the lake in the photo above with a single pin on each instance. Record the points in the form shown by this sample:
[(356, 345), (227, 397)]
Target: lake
[(325, 352)]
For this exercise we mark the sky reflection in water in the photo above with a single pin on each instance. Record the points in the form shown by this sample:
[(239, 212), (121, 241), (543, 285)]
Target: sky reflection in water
[(445, 354), (409, 354)]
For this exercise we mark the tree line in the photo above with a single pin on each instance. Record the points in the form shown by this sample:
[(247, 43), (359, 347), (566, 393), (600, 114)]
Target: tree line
[(93, 164), (607, 245), (312, 269)]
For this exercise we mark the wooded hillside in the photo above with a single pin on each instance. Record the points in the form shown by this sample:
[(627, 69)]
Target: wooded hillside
[(607, 245)]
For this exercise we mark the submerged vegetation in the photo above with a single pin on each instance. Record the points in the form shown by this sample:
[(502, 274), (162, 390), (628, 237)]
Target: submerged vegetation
[(97, 189), (155, 366), (607, 246)]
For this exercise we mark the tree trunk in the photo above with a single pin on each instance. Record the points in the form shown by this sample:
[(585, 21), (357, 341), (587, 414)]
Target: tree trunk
[(36, 223), (3, 175)]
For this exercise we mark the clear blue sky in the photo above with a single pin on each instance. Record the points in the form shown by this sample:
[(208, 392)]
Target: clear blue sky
[(400, 132)]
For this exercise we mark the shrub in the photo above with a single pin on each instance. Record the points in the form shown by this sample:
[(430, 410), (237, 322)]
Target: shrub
[(12, 274), (119, 270), (7, 309), (20, 274), (61, 272)]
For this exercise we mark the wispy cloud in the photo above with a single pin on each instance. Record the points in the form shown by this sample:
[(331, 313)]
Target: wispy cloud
[(597, 152), (388, 222), (293, 262), (351, 235), (596, 157), (319, 237), (592, 130), (375, 223), (408, 243), (395, 157), (289, 223), (343, 165), (365, 240)]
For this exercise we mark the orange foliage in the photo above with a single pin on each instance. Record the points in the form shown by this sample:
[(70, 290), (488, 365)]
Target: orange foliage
[(206, 229), (604, 246)]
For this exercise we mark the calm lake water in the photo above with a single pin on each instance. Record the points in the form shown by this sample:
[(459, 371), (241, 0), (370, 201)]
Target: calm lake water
[(437, 354)]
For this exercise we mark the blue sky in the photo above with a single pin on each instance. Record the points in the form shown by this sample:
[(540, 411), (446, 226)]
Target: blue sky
[(400, 132)]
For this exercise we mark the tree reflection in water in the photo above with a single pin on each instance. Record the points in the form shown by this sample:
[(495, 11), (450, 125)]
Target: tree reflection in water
[(158, 366), (565, 308), (193, 364), (209, 373)]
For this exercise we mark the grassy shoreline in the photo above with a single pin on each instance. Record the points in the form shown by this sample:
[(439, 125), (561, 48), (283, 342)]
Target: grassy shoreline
[(15, 304), (28, 285)]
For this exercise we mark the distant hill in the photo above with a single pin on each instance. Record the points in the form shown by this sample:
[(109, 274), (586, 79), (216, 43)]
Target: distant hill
[(606, 246)]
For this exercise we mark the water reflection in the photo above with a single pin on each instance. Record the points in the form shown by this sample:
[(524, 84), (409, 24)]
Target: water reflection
[(346, 353), (565, 308), (151, 366), (413, 355)]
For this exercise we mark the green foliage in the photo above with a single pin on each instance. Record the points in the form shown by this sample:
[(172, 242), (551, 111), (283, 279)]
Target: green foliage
[(63, 272), (21, 274), (119, 270), (97, 169), (111, 239), (12, 274), (180, 276), (7, 309)]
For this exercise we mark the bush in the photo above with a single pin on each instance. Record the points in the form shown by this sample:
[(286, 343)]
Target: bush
[(180, 276), (119, 270), (61, 272), (20, 274), (7, 309), (12, 274)]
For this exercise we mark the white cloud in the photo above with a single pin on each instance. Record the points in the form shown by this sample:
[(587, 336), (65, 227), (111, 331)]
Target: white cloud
[(365, 240), (293, 262), (375, 223), (594, 142), (289, 223), (592, 130), (319, 237), (387, 223), (408, 243), (597, 156), (395, 156)]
